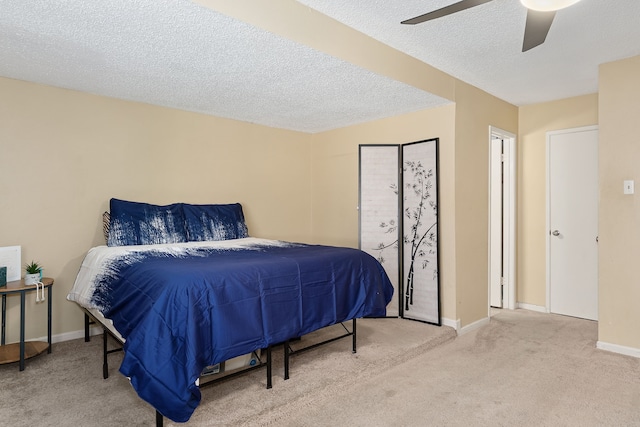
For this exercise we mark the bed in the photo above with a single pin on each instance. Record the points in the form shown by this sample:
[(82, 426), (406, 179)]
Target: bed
[(186, 287)]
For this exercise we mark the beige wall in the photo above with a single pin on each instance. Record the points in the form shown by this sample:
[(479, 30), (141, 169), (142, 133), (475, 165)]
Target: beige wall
[(335, 154), (475, 112), (297, 186), (294, 186), (90, 148), (534, 122), (619, 223), (335, 182), (463, 130), (65, 154)]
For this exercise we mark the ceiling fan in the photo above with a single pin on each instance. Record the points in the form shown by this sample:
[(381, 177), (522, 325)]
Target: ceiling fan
[(540, 14)]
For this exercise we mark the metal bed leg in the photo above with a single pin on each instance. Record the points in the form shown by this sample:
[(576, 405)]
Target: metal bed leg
[(105, 363), (269, 385), (159, 419), (288, 351), (353, 337), (286, 360), (87, 337)]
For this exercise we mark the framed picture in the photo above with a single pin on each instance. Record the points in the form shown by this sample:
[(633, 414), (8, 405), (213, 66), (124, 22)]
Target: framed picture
[(399, 223)]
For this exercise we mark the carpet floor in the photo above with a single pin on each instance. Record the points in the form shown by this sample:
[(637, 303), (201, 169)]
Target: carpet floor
[(523, 368)]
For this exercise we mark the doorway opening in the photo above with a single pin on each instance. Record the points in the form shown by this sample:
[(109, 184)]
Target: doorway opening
[(502, 200)]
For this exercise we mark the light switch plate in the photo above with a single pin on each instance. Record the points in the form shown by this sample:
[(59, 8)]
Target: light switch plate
[(628, 187)]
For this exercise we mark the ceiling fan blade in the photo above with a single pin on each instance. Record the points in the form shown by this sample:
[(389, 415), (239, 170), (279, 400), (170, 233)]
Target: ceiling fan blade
[(447, 10), (537, 28)]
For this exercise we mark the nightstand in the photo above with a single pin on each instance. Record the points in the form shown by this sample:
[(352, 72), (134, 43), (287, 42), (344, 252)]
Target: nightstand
[(23, 350)]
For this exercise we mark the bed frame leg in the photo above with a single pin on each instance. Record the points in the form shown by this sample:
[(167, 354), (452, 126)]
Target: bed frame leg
[(105, 363), (87, 337), (159, 419), (269, 385), (353, 337), (286, 360)]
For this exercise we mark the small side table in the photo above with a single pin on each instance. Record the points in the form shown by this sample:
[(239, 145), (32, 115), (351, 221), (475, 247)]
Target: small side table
[(20, 351)]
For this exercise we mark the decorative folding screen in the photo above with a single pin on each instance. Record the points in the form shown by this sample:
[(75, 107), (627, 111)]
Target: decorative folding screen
[(379, 208), (399, 222)]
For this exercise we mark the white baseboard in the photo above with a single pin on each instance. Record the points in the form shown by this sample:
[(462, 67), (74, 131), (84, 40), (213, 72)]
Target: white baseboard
[(621, 349), (473, 326), (532, 307), (455, 324), (68, 336)]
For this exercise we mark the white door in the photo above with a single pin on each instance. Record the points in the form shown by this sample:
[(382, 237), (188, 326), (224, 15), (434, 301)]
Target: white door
[(502, 219), (572, 287)]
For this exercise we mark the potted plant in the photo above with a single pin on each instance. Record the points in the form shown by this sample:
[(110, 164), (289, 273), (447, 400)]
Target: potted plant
[(34, 273)]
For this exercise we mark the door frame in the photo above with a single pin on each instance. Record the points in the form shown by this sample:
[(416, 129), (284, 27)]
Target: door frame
[(548, 204), (509, 214)]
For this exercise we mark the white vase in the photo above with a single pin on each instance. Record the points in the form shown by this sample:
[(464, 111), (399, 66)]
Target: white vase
[(31, 279)]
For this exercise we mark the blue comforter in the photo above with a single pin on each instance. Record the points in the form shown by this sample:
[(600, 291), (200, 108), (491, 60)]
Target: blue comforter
[(180, 311)]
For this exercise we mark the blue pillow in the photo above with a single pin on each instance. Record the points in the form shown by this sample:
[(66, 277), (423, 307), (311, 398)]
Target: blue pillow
[(215, 222), (134, 223)]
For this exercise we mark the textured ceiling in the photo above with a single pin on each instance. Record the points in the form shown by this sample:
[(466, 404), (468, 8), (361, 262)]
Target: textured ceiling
[(178, 54), (482, 45)]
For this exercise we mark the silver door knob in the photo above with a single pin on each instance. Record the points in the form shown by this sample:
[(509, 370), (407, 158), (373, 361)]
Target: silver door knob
[(555, 232)]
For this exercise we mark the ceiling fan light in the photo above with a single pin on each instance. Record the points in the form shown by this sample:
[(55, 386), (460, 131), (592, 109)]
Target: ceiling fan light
[(547, 5)]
